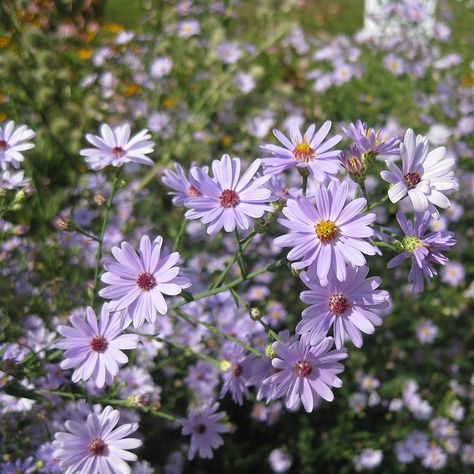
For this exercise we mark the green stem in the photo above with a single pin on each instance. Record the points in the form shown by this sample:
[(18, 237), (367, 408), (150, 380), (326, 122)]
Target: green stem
[(179, 237), (240, 255), (380, 243), (270, 331), (85, 232), (244, 244), (377, 204), (105, 221), (305, 183), (271, 267), (218, 332)]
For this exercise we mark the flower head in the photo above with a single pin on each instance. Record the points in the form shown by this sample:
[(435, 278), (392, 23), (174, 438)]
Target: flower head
[(309, 151), (228, 200), (204, 426), (94, 348), (370, 140), (137, 282), (424, 175), (352, 306), (328, 234), (115, 147), (182, 186), (423, 249), (95, 447), (305, 372), (14, 140)]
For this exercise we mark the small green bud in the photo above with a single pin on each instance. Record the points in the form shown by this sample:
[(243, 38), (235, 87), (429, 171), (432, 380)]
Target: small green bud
[(269, 351)]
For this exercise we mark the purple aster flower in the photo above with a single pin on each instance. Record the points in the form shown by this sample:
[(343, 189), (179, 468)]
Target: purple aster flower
[(95, 447), (424, 175), (137, 282), (204, 426), (237, 377), (14, 140), (94, 348), (423, 250), (453, 273), (329, 234), (351, 306), (115, 147), (182, 186), (426, 332), (435, 458), (304, 151), (9, 180), (228, 200), (306, 372), (369, 140)]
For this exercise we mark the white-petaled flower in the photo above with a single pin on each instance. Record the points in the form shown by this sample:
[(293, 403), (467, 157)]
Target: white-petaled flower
[(9, 180), (424, 176), (14, 140), (115, 147)]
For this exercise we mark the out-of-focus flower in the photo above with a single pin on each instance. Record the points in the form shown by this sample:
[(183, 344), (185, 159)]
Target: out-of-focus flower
[(368, 459), (426, 332), (161, 67), (453, 273), (204, 425), (280, 461)]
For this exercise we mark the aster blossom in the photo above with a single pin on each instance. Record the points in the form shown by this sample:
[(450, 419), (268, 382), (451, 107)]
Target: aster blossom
[(305, 373), (329, 234), (96, 446), (423, 249), (311, 151), (229, 200), (424, 176), (183, 187), (370, 140), (350, 307), (94, 348), (115, 147), (204, 424), (14, 140), (137, 281)]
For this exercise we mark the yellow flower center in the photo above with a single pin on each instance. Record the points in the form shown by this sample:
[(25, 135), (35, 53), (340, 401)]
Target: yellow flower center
[(325, 230), (303, 152)]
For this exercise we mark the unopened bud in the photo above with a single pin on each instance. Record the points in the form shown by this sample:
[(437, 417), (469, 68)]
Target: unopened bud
[(269, 351), (224, 365), (62, 223), (99, 199), (255, 313)]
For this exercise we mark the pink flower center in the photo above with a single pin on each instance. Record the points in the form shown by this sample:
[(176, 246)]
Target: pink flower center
[(338, 304), (193, 191), (97, 447), (303, 368), (146, 281), (118, 152), (238, 369), (200, 428), (98, 343), (412, 180), (229, 198), (303, 152), (3, 145), (326, 231)]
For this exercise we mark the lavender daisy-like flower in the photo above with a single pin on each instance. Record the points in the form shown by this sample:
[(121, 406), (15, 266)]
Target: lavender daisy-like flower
[(329, 234), (137, 282), (115, 147), (306, 372), (96, 446), (370, 140), (237, 376), (423, 249), (183, 187), (424, 175), (228, 200), (94, 348), (309, 151), (351, 306), (14, 140), (204, 426)]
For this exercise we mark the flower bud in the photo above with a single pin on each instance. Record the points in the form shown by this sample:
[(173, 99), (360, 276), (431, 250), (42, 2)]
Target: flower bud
[(62, 223), (269, 351), (255, 313), (99, 199)]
